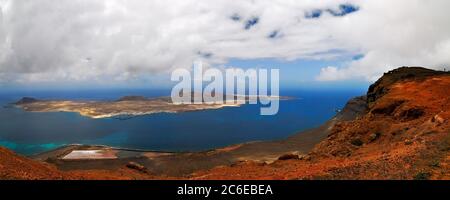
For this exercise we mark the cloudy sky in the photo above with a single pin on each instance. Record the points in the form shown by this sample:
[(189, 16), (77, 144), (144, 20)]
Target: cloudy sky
[(138, 42)]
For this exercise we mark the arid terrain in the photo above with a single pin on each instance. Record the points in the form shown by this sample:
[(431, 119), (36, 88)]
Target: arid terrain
[(128, 106), (125, 107), (399, 130)]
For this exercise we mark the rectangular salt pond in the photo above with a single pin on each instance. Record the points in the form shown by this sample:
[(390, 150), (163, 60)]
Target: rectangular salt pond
[(89, 154)]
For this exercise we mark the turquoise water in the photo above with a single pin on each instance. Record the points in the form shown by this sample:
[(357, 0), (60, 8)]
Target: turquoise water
[(29, 133)]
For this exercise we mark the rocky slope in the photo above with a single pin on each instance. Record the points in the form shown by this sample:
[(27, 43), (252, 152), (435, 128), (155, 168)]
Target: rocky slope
[(16, 167), (13, 166), (404, 134)]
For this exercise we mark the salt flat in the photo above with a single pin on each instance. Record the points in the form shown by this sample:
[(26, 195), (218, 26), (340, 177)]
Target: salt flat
[(89, 154)]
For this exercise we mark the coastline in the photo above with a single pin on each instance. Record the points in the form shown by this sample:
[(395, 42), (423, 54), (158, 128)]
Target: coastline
[(85, 130), (169, 162), (130, 106)]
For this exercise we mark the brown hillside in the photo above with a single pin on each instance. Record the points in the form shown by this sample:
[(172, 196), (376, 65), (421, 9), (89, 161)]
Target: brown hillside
[(13, 166), (405, 134)]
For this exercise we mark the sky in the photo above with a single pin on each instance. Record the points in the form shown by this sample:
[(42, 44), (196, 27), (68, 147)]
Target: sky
[(138, 43)]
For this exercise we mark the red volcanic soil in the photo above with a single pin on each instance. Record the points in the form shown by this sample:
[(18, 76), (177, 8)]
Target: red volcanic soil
[(404, 134), (15, 167)]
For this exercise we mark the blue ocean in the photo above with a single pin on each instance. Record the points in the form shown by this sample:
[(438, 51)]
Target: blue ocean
[(31, 133)]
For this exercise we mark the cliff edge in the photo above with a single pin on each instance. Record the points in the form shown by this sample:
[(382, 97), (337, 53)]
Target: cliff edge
[(404, 133)]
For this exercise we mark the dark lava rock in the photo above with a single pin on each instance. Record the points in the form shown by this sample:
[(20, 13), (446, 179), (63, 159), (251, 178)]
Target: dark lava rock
[(388, 109), (413, 113), (357, 142), (289, 157), (355, 107), (132, 98), (26, 100), (137, 166)]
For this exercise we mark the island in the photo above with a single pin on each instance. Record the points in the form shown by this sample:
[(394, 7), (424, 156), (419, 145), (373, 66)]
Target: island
[(123, 108)]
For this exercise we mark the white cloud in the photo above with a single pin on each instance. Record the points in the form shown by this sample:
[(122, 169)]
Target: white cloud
[(392, 34), (85, 40), (331, 73)]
